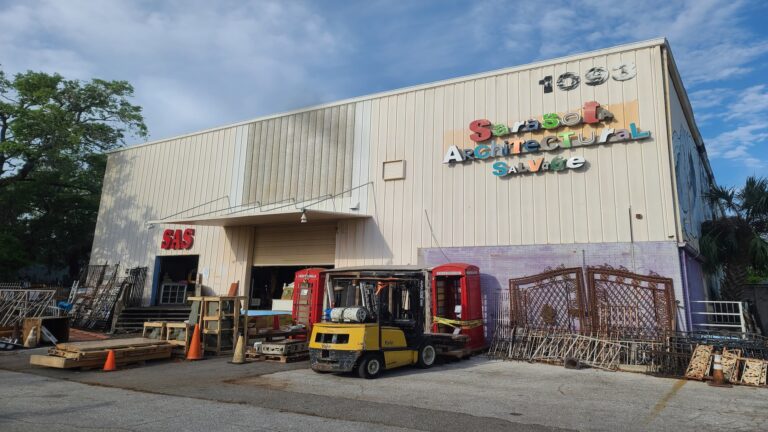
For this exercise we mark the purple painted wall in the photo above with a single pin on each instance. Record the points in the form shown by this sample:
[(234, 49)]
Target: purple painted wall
[(498, 264), (697, 288)]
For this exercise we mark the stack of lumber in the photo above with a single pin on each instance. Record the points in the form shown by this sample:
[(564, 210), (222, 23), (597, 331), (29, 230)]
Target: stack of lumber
[(93, 354)]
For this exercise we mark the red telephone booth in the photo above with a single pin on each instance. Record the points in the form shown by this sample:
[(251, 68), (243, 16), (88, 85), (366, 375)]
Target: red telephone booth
[(456, 297), (308, 296)]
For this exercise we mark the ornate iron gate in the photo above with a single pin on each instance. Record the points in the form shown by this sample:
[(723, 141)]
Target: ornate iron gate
[(552, 300), (628, 304), (616, 302)]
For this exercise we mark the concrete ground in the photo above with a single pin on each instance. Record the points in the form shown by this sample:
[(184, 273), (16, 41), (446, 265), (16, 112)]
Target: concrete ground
[(460, 396)]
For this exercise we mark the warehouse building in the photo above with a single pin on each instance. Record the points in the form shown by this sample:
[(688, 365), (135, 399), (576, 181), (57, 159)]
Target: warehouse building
[(585, 160)]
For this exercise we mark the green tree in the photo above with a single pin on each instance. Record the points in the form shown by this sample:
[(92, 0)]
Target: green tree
[(53, 135), (735, 244)]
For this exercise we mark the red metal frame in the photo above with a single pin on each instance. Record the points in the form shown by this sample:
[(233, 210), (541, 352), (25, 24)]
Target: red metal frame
[(468, 278), (312, 280)]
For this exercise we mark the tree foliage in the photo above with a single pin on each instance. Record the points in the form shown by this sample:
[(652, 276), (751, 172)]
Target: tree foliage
[(736, 244), (53, 135)]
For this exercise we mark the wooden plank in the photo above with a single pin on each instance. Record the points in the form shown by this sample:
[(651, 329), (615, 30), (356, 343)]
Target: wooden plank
[(107, 344), (51, 361), (122, 357)]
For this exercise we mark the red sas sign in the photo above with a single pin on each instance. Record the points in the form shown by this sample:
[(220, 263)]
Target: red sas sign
[(178, 239)]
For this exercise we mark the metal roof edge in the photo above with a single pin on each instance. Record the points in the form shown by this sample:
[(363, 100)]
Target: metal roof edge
[(660, 41), (685, 102)]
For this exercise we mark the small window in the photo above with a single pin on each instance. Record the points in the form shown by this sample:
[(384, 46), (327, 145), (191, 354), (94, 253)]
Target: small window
[(394, 170)]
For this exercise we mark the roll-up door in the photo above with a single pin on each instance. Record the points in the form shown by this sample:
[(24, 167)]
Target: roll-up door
[(299, 245)]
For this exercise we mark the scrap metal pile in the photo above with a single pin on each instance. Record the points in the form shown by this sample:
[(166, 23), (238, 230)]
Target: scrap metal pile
[(94, 296), (18, 303), (621, 321), (666, 354)]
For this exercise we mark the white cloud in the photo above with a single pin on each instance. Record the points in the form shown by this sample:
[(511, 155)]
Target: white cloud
[(753, 100), (197, 64), (708, 37), (194, 64), (709, 98), (743, 113)]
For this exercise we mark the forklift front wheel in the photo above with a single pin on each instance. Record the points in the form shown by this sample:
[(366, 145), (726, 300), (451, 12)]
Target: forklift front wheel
[(427, 356), (370, 366)]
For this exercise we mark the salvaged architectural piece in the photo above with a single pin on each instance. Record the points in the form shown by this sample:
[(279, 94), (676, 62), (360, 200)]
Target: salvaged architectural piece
[(572, 163)]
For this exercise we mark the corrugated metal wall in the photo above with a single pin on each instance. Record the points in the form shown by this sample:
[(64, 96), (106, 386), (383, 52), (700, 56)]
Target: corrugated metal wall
[(465, 205), (301, 156), (156, 181)]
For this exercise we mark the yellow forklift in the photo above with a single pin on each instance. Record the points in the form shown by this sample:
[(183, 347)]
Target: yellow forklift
[(374, 321)]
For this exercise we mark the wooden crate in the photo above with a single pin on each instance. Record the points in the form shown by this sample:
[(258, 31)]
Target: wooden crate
[(154, 330), (178, 335)]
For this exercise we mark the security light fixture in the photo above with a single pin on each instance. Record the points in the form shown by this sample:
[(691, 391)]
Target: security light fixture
[(303, 216)]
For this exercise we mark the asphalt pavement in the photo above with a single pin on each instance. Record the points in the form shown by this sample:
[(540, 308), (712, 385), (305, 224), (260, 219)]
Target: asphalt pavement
[(475, 394)]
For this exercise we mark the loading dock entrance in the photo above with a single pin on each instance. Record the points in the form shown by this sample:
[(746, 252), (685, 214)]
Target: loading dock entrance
[(282, 250), (267, 284)]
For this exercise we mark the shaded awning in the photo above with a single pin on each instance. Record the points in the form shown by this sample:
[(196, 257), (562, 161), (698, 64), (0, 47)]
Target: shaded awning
[(275, 218)]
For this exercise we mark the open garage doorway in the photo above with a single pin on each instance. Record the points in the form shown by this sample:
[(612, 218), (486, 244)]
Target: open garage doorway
[(282, 250), (267, 284), (174, 279)]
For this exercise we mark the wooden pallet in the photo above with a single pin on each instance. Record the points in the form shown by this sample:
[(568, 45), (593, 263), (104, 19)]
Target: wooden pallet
[(700, 361), (285, 347), (731, 364), (278, 358), (755, 372)]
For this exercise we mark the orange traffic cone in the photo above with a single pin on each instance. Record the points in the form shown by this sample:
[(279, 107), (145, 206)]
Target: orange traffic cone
[(110, 365), (195, 351), (718, 378)]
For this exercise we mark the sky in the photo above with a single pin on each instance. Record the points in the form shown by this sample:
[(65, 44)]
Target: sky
[(197, 64)]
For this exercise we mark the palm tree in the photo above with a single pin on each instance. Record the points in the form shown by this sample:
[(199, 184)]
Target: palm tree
[(736, 243)]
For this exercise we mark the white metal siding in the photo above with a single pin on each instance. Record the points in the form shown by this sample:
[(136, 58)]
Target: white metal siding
[(304, 157), (468, 206), (154, 182)]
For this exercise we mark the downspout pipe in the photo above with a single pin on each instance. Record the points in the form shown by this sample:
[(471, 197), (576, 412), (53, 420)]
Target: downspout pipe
[(686, 290)]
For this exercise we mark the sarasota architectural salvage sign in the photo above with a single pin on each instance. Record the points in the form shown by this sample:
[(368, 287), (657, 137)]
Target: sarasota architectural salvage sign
[(498, 140)]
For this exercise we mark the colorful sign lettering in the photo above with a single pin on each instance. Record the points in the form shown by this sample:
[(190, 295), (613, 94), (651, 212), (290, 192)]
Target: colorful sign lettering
[(495, 140), (178, 239)]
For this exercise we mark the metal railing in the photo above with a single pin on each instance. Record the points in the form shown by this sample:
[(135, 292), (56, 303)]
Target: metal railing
[(726, 315), (17, 304)]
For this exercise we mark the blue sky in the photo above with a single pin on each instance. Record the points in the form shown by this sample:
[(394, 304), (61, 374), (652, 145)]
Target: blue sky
[(197, 64)]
